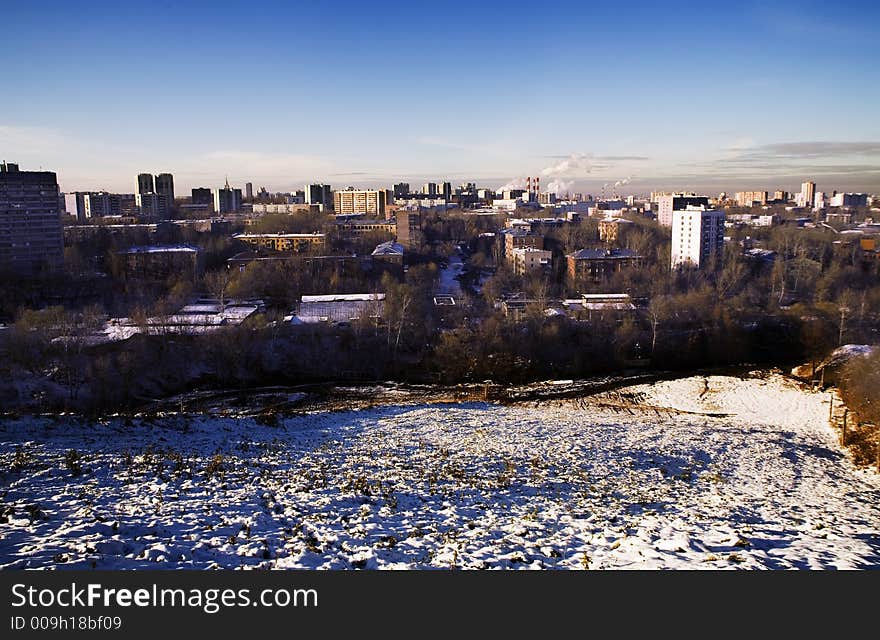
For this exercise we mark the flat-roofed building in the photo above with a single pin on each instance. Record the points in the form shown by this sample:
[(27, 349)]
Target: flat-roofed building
[(369, 202), (409, 229), (31, 240), (529, 260), (159, 262), (295, 242), (697, 237), (666, 204)]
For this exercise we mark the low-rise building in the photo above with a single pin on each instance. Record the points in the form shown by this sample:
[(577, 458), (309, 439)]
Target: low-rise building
[(518, 238), (295, 242), (528, 260), (340, 308), (159, 262), (354, 228), (390, 253), (613, 230), (594, 265)]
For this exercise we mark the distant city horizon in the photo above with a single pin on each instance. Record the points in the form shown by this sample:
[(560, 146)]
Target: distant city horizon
[(677, 96)]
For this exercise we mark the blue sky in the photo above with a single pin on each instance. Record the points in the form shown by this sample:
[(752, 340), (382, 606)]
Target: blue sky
[(707, 96)]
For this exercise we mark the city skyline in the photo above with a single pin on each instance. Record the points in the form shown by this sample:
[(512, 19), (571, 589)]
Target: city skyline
[(683, 97)]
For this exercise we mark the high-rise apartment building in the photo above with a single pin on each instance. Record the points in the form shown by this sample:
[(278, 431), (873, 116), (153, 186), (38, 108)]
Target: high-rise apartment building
[(145, 183), (249, 190), (202, 196), (98, 204), (401, 190), (751, 198), (227, 199), (370, 202), (430, 189), (849, 200), (446, 190), (807, 195), (320, 194), (31, 235), (155, 206), (668, 203), (697, 237), (165, 186)]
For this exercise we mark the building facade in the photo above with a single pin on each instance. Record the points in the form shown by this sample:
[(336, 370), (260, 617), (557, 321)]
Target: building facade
[(320, 194), (595, 265), (369, 202), (154, 206), (295, 242), (145, 183), (165, 186), (529, 260), (409, 229), (227, 200), (697, 238), (202, 196), (807, 195), (160, 262), (666, 204), (31, 234), (751, 198)]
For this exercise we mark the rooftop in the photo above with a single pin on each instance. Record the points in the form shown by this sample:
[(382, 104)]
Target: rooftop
[(604, 254), (172, 248), (389, 248), (344, 297)]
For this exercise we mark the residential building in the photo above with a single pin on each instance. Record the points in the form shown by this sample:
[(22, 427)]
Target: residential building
[(370, 202), (165, 187), (227, 199), (353, 228), (260, 207), (430, 189), (249, 190), (528, 259), (320, 194), (751, 198), (336, 308), (389, 255), (519, 238), (159, 262), (409, 229), (400, 190), (295, 242), (613, 230), (145, 183), (595, 265), (100, 204), (849, 200), (203, 196), (780, 196), (807, 195), (697, 237), (676, 202), (155, 206), (445, 190), (31, 235)]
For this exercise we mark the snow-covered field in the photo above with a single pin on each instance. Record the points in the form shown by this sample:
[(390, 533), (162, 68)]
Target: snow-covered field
[(699, 472)]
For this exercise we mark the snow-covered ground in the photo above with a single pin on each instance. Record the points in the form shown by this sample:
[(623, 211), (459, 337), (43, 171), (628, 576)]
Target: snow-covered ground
[(700, 472)]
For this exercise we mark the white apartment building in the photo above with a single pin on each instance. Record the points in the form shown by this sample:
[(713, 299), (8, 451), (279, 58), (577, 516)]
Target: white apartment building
[(697, 236), (666, 204), (364, 201)]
